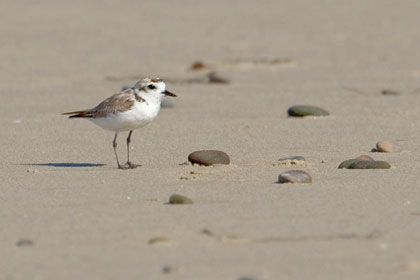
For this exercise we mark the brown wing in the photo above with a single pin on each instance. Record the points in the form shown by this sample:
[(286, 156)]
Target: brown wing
[(119, 102)]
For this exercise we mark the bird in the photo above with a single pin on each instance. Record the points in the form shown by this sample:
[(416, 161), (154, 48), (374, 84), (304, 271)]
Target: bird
[(127, 110)]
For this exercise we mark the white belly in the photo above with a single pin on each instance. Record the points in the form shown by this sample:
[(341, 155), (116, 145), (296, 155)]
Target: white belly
[(140, 115)]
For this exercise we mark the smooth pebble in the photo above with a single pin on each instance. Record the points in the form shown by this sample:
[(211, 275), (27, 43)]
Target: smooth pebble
[(295, 176), (347, 163), (209, 157), (387, 146), (370, 165), (180, 199)]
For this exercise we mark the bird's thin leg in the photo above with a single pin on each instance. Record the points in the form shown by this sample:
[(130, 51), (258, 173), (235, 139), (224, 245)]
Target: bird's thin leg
[(129, 165), (114, 144), (128, 147)]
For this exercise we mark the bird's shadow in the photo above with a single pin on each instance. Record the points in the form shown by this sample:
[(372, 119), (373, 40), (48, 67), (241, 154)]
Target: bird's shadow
[(66, 164)]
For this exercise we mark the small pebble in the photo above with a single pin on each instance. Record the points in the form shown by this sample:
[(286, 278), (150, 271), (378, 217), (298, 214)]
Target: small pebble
[(207, 232), (387, 146), (306, 110), (198, 65), (179, 199), (294, 176), (156, 240), (168, 269), (370, 165), (209, 157), (17, 121), (215, 78), (347, 163), (25, 243), (389, 92)]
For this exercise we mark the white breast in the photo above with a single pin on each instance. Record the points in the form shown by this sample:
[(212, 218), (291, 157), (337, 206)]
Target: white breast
[(141, 114)]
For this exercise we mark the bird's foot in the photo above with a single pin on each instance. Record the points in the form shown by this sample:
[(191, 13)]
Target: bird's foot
[(128, 165)]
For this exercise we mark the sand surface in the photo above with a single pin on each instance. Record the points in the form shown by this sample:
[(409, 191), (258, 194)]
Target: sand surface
[(61, 190)]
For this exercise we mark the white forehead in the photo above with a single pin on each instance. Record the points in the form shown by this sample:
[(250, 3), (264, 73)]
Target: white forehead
[(148, 81)]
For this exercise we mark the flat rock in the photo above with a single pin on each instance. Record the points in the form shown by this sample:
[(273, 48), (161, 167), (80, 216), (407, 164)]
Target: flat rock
[(306, 110), (349, 162), (370, 165), (180, 199), (209, 157), (295, 176), (387, 146)]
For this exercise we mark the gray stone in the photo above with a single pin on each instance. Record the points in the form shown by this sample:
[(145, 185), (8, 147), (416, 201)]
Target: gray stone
[(295, 176), (349, 162), (306, 110), (370, 165), (209, 157), (179, 199)]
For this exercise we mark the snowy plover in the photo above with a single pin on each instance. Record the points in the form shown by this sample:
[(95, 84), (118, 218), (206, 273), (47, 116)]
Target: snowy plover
[(125, 111)]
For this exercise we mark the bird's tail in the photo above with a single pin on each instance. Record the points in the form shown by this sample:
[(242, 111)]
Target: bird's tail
[(79, 114)]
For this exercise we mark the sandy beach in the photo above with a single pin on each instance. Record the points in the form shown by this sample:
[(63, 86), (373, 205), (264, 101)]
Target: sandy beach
[(67, 212)]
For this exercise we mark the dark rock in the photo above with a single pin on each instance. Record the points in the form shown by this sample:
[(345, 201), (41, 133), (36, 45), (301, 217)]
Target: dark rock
[(306, 110), (209, 157), (215, 78), (370, 165), (389, 92), (179, 199), (349, 162)]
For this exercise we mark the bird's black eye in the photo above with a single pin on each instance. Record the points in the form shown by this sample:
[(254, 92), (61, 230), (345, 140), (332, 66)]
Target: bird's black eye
[(151, 87)]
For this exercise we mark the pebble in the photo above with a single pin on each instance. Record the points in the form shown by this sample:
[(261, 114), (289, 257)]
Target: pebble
[(295, 176), (25, 243), (347, 163), (215, 78), (169, 269), (209, 157), (370, 165), (198, 65), (389, 92), (306, 110), (179, 199), (387, 146), (159, 239)]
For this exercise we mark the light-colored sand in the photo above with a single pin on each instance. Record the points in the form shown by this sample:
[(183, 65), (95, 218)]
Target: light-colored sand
[(91, 222)]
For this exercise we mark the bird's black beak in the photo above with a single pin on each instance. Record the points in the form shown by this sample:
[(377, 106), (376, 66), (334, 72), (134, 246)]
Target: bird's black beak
[(168, 93)]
